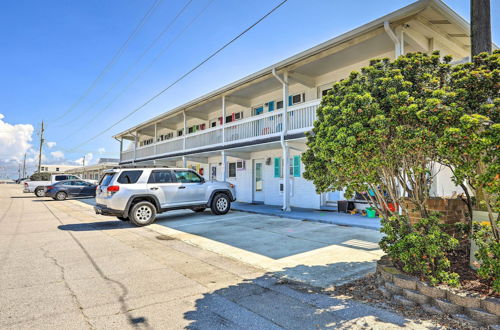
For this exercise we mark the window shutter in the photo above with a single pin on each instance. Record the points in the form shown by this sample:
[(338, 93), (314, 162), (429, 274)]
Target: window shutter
[(270, 106), (290, 100), (296, 166), (277, 167)]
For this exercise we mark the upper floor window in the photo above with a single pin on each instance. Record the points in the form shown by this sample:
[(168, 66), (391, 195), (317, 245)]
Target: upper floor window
[(325, 91), (258, 110)]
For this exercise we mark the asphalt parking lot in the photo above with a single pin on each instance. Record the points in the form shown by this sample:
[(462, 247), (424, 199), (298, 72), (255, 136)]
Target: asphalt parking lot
[(62, 266)]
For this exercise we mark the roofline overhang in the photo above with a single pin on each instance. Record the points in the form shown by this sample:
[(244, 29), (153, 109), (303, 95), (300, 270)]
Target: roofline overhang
[(397, 15)]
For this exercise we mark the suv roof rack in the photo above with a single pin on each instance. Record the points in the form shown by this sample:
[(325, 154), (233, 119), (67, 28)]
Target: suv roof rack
[(143, 166)]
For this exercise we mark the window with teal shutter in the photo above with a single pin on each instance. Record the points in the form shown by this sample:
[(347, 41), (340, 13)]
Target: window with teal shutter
[(290, 100), (277, 167), (296, 166), (270, 106)]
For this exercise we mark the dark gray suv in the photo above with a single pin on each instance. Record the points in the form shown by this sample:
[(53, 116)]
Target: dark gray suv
[(138, 194)]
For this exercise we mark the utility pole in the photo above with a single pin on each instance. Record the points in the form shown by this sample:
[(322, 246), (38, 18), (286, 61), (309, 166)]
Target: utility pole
[(24, 166), (480, 27), (83, 163), (41, 145)]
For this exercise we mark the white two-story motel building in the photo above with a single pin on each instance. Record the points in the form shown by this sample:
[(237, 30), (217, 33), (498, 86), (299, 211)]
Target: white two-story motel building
[(239, 132)]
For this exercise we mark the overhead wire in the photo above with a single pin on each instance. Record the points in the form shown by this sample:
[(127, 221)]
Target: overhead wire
[(113, 60), (145, 69), (137, 60), (184, 75)]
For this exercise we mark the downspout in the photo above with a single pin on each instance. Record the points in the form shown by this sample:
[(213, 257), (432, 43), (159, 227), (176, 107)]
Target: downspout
[(284, 147), (121, 148), (392, 35)]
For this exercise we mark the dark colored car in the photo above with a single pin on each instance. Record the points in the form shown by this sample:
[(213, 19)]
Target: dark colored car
[(70, 188)]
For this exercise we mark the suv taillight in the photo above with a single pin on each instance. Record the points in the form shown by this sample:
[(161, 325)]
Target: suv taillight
[(112, 189)]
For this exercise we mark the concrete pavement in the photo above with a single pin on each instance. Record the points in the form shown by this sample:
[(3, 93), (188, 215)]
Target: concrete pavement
[(61, 266)]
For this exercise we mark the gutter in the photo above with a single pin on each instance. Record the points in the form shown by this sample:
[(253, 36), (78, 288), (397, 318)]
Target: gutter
[(394, 38)]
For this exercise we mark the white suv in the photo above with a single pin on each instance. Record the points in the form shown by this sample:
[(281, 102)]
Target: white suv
[(138, 194)]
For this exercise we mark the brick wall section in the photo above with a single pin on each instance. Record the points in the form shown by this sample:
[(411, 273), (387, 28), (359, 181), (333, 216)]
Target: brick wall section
[(452, 210), (409, 291)]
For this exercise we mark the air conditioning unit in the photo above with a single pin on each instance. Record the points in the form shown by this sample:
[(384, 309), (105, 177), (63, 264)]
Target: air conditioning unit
[(240, 165), (268, 161)]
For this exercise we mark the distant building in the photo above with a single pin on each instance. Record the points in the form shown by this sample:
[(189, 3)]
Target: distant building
[(94, 172), (54, 168)]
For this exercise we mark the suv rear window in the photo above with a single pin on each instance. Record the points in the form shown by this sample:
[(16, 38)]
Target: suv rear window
[(106, 179), (129, 177), (61, 177)]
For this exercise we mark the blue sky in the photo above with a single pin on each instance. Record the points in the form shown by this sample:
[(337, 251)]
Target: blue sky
[(53, 49)]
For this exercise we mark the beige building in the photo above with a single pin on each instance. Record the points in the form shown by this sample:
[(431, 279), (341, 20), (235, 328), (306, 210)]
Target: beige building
[(55, 168), (252, 131), (94, 172)]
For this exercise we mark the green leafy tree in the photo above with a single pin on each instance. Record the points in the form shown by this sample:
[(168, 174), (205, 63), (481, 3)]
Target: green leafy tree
[(470, 144), (377, 131)]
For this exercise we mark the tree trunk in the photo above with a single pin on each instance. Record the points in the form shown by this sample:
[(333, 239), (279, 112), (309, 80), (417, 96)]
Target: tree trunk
[(480, 28)]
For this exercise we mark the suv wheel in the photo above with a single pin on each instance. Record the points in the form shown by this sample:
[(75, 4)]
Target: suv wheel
[(142, 214), (39, 192), (220, 204), (60, 196)]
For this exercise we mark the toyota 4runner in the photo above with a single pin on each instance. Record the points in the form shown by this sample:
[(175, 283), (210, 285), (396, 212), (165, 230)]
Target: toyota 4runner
[(139, 194)]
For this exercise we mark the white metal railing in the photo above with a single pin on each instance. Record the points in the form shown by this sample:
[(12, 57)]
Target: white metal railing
[(169, 146), (145, 151), (204, 138), (263, 125), (300, 118), (127, 155), (303, 115)]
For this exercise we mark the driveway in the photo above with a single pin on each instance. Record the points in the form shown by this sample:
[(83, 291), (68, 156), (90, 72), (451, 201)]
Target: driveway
[(314, 253)]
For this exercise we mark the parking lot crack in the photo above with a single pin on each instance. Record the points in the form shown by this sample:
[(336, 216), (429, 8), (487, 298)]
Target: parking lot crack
[(46, 254)]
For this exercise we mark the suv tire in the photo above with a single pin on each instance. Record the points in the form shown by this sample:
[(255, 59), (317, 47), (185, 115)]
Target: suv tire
[(39, 192), (221, 204), (60, 196), (142, 214)]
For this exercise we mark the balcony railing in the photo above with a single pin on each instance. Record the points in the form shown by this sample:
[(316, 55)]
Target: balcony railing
[(300, 119)]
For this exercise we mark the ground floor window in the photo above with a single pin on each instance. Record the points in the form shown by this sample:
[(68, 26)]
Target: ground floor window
[(232, 170)]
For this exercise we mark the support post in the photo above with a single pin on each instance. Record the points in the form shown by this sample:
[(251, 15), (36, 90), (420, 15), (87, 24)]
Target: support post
[(156, 138), (223, 119), (184, 162), (135, 146), (121, 149), (224, 165), (284, 146), (184, 130)]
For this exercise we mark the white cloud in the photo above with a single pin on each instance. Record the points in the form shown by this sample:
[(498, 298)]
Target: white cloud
[(101, 150), (57, 154), (51, 144), (88, 159), (15, 140)]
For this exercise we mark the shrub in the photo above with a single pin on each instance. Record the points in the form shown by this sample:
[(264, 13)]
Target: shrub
[(488, 254), (420, 249), (40, 176)]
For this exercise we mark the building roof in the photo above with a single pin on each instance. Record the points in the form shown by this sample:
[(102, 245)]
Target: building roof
[(397, 15)]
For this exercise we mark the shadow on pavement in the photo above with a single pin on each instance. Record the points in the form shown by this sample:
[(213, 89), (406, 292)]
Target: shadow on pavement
[(267, 302), (101, 225)]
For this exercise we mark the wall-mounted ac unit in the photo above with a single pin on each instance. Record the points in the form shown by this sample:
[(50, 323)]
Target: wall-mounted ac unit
[(240, 165)]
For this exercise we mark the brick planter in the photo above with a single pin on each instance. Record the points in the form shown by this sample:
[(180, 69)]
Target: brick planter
[(409, 291), (452, 210)]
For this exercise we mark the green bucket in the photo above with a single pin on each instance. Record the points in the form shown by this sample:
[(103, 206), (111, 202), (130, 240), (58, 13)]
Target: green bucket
[(371, 213)]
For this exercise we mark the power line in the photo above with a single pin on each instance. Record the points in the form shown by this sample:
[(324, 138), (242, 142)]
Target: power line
[(115, 57), (185, 75), (141, 73), (138, 59)]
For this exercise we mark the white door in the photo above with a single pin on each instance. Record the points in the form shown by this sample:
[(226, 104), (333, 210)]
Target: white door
[(258, 182)]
